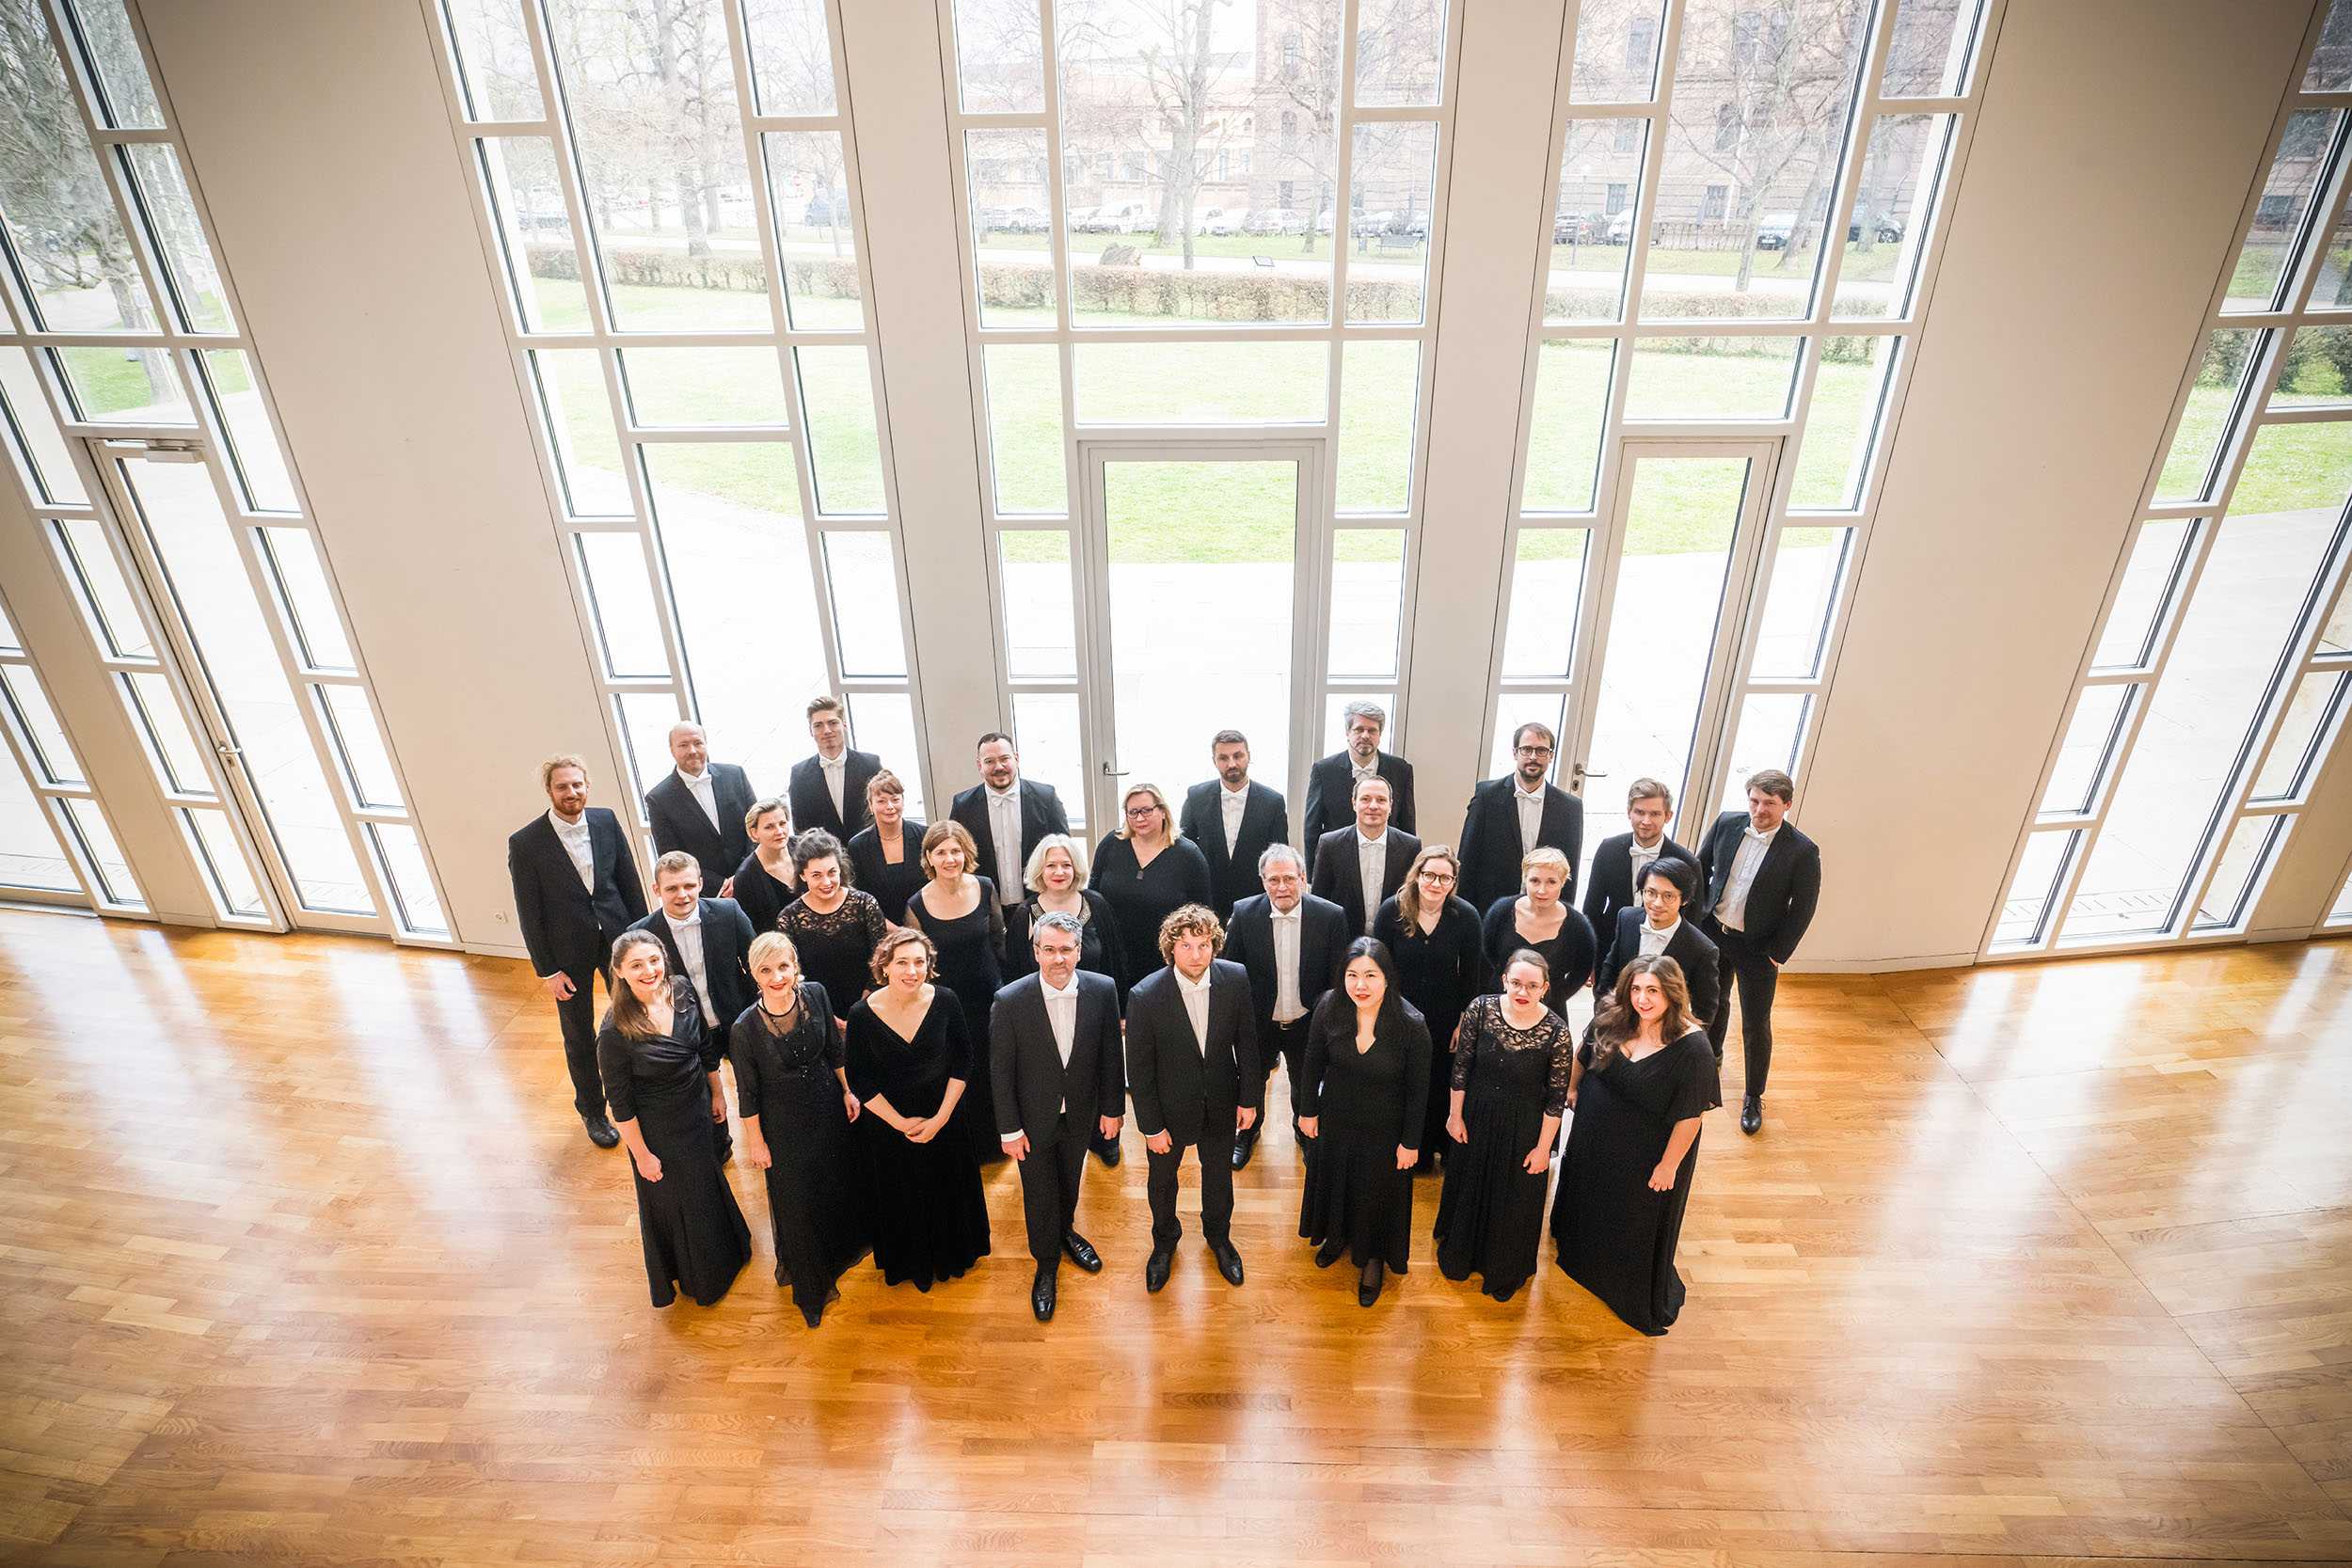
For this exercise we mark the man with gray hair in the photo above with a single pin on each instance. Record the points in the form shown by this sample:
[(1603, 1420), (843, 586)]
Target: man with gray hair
[(1331, 783), (1294, 946), (700, 805), (1059, 1080)]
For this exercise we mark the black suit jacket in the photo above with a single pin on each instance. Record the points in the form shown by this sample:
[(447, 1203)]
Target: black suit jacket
[(677, 821), (726, 945), (568, 929), (812, 802), (1031, 1086), (1339, 877), (1490, 840), (1330, 785), (1323, 938), (1181, 1087), (1265, 820), (1691, 949), (1040, 813), (1788, 885), (1611, 887)]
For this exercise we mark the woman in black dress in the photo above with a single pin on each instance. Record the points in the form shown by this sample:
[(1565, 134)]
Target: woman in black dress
[(1361, 1102), (958, 911), (909, 1062), (1510, 1084), (661, 1071), (1146, 871), (889, 856), (1643, 1077), (790, 1087), (1058, 885), (833, 926), (764, 883), (1539, 919), (1438, 946)]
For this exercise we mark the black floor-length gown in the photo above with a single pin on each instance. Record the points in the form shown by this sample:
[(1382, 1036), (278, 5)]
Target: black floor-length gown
[(816, 1204), (1369, 1103), (760, 896), (693, 1232), (1142, 897), (1438, 971), (1572, 953), (1490, 1216), (930, 1216), (1615, 1236), (889, 882), (837, 949), (1098, 937), (971, 964)]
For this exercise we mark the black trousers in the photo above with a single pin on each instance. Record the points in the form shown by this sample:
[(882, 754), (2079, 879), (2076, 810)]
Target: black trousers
[(577, 1015), (1049, 1186), (1287, 1043), (1746, 964), (1217, 1191)]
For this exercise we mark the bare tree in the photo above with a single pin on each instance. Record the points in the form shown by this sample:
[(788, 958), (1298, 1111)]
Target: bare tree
[(1180, 69), (1303, 72)]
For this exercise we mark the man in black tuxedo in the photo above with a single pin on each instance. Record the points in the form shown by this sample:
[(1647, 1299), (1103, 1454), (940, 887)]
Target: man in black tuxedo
[(1619, 861), (1331, 783), (1192, 1067), (1292, 946), (1234, 819), (1510, 817), (700, 807), (708, 941), (827, 790), (1763, 882), (1059, 1083), (576, 891), (1656, 927), (1355, 867), (1026, 812)]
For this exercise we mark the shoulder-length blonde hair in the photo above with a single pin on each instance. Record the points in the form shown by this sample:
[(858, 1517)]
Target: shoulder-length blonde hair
[(1617, 1022), (1168, 819), (1033, 874), (628, 1014), (1408, 896)]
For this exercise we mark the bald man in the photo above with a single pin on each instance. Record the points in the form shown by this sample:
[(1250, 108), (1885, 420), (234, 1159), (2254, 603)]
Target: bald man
[(699, 808)]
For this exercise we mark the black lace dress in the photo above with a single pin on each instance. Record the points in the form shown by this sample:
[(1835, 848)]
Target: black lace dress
[(693, 1230), (889, 882), (1369, 1103), (1490, 1216), (815, 1202), (760, 896), (971, 964), (1616, 1237), (837, 949), (930, 1216)]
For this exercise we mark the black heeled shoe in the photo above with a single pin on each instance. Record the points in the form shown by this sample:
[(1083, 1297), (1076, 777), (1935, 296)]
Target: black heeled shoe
[(1328, 1253), (1368, 1285)]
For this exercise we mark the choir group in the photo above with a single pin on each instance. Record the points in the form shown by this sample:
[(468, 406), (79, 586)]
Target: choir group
[(899, 1004)]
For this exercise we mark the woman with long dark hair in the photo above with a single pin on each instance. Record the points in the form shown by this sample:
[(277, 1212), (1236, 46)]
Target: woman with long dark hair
[(1509, 1084), (1438, 946), (1361, 1103), (1643, 1077), (833, 926)]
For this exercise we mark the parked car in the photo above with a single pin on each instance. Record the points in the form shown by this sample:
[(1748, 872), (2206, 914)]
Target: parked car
[(1024, 220), (1417, 225), (1218, 220), (1889, 230), (1381, 222), (1775, 231), (1078, 217), (1578, 227), (1275, 220), (1323, 221), (825, 210), (1621, 227), (1122, 217)]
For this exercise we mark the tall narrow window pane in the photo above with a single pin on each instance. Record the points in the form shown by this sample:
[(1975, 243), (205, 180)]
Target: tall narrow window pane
[(163, 196), (1616, 51), (292, 557), (1593, 219), (1214, 383), (1391, 181), (2340, 913), (844, 442), (1927, 56), (882, 722), (1012, 222), (1379, 397), (2304, 732), (30, 854), (1807, 569), (646, 718), (1367, 604), (2335, 637), (2260, 279), (259, 468), (1041, 618), (1771, 733), (2330, 68), (178, 758), (2251, 847), (791, 62), (870, 637), (2160, 552), (2333, 289), (2312, 373), (621, 599), (1886, 238), (737, 551), (104, 593), (127, 386), (2093, 738), (1712, 379), (1025, 428), (2215, 403), (36, 723), (681, 387), (105, 857), (351, 725), (579, 416), (535, 229), (1547, 590), (1563, 432), (1842, 422), (126, 99), (1000, 57), (401, 857), (75, 262), (226, 868), (1400, 51), (808, 192), (494, 66), (35, 435), (2025, 913), (1046, 732)]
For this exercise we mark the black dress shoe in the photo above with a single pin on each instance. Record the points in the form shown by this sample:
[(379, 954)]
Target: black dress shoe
[(1155, 1270), (601, 1131), (1328, 1253), (1244, 1147), (1108, 1154), (1368, 1284), (1752, 1115), (1228, 1261), (1041, 1292), (1081, 1252)]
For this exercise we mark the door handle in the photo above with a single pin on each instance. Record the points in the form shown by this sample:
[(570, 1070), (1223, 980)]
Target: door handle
[(1110, 772), (227, 752)]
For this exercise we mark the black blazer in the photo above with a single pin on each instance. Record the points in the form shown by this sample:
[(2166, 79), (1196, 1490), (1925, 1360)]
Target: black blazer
[(1691, 949), (1323, 938), (1490, 840), (1340, 876), (1329, 786), (1025, 1068), (1265, 820), (1181, 1086), (812, 802), (1040, 813), (1612, 888), (726, 946), (568, 929), (1788, 885), (677, 821)]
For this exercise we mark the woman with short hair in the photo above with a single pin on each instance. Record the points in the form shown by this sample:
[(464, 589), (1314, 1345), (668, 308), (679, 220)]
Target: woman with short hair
[(1540, 919), (888, 855), (958, 910), (1146, 871), (764, 882), (833, 926), (1507, 1089)]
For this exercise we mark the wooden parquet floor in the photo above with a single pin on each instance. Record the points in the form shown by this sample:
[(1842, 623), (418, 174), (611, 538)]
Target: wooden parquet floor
[(304, 1260)]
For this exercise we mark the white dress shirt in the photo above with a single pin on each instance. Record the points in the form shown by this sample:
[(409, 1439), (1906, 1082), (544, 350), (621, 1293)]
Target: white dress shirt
[(699, 786), (1733, 910), (1287, 925), (1531, 816), (1654, 939), (688, 935), (1061, 1011), (1372, 863), (1004, 825), (1641, 859), (834, 781), (579, 845), (1232, 803), (1360, 770), (1196, 995)]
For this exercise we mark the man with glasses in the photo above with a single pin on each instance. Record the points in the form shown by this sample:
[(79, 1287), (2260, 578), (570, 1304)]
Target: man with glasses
[(1510, 818)]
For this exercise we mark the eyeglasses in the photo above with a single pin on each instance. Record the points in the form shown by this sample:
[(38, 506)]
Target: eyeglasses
[(1136, 812), (1530, 751), (1439, 878)]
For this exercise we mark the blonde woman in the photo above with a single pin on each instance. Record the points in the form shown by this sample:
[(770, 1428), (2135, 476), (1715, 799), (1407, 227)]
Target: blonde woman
[(1543, 921), (765, 881), (1056, 879), (1146, 871), (887, 857)]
